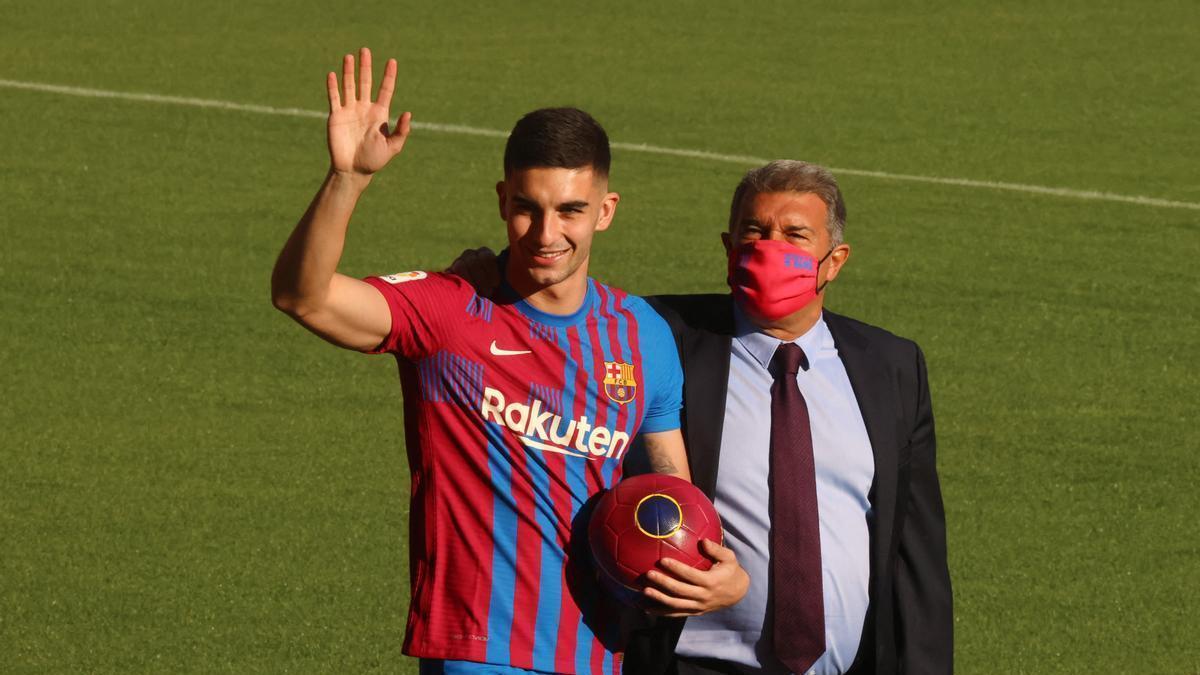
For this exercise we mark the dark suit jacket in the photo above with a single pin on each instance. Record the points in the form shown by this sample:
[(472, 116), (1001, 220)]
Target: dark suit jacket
[(908, 627)]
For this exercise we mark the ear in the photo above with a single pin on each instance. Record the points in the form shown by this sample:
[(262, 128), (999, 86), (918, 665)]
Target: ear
[(501, 193), (608, 209), (727, 240), (841, 253)]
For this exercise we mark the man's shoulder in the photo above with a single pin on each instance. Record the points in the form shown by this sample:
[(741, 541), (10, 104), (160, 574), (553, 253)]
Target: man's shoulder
[(641, 309), (848, 332), (708, 312), (422, 282)]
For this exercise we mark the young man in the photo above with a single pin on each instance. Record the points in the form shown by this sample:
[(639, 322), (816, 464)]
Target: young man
[(518, 409)]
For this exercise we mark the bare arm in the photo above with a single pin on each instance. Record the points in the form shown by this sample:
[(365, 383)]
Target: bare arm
[(667, 454), (305, 283)]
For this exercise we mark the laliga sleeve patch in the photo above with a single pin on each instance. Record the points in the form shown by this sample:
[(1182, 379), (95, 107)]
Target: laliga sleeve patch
[(402, 277)]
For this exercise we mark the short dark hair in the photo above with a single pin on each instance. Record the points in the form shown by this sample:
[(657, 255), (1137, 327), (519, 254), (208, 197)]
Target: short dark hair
[(566, 138), (789, 175)]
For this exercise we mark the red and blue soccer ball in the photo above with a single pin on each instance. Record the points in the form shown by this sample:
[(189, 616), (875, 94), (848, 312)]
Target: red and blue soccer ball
[(644, 519)]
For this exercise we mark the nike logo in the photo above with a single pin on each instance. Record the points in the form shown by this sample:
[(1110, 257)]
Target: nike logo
[(496, 351)]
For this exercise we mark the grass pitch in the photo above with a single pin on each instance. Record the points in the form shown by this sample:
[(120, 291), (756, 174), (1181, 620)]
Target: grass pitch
[(192, 483)]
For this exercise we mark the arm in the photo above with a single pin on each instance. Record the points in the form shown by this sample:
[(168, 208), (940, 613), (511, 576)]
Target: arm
[(305, 284), (924, 616), (666, 453)]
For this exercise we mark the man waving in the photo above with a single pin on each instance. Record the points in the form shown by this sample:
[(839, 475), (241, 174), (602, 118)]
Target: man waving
[(510, 422)]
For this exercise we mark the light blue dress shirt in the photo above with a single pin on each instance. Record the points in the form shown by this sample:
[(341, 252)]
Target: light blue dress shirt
[(845, 468)]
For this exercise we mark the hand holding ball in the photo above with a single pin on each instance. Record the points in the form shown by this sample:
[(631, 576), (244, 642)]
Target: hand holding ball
[(644, 519)]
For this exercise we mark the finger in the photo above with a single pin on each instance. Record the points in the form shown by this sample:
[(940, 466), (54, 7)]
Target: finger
[(331, 83), (685, 572), (364, 74), (675, 587), (667, 601), (396, 140), (460, 265), (388, 85), (348, 78), (716, 551)]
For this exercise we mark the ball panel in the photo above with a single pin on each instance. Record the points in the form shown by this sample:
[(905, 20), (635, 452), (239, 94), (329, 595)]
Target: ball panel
[(658, 515), (644, 519)]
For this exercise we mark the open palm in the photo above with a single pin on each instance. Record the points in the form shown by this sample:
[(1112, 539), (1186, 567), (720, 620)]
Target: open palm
[(359, 138)]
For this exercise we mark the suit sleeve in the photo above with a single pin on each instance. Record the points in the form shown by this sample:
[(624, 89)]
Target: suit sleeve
[(925, 623), (420, 304)]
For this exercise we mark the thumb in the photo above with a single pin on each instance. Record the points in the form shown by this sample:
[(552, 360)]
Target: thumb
[(396, 140), (717, 552)]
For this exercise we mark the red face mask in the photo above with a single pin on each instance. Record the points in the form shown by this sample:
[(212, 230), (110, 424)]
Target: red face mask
[(772, 279)]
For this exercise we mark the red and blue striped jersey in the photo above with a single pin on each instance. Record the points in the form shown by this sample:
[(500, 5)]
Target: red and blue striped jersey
[(514, 418)]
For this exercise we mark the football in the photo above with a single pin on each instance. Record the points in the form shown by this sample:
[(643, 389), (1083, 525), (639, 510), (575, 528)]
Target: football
[(644, 519)]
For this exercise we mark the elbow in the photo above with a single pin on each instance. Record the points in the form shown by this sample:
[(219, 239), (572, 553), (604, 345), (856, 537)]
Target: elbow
[(281, 299), (288, 298), (283, 303), (289, 303)]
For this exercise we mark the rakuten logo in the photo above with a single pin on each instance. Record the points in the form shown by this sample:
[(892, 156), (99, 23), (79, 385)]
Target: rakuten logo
[(543, 430)]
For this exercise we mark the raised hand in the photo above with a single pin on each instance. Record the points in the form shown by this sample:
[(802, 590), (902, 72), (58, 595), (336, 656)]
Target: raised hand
[(360, 141)]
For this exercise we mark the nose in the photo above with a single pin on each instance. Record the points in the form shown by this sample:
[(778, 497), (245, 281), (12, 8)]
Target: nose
[(547, 229), (775, 234)]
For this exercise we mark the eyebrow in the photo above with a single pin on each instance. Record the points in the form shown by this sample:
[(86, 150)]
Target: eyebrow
[(527, 203), (746, 222)]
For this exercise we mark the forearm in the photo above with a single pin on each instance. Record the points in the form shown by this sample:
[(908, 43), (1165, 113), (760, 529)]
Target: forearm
[(308, 261), (667, 454)]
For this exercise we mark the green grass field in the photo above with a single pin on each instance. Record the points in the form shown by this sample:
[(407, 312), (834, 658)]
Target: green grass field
[(190, 482)]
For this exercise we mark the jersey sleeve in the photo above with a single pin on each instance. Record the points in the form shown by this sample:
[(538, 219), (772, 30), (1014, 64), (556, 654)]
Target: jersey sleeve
[(420, 304), (663, 372)]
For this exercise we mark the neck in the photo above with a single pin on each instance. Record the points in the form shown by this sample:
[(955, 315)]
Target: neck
[(791, 326), (564, 297)]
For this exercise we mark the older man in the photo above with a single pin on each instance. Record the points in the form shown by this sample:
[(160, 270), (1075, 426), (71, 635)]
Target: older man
[(814, 435)]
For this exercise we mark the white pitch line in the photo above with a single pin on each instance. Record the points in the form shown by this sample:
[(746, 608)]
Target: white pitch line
[(1091, 195)]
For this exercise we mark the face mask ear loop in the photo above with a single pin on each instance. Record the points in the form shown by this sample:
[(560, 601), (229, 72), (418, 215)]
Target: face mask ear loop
[(822, 286)]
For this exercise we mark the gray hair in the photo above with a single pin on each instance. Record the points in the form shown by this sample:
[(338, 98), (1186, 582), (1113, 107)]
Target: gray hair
[(790, 175)]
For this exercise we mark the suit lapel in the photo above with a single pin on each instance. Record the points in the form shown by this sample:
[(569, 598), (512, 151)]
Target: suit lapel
[(706, 380), (869, 379)]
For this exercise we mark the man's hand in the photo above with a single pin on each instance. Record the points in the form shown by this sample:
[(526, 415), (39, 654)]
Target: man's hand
[(479, 268), (682, 590), (360, 142)]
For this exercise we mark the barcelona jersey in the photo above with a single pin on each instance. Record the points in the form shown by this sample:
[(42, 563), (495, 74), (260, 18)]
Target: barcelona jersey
[(514, 419)]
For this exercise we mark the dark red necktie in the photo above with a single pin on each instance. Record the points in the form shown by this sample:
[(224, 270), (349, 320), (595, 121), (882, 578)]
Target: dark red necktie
[(796, 586)]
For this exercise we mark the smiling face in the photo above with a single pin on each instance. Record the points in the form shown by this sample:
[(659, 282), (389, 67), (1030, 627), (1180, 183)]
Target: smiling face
[(552, 214)]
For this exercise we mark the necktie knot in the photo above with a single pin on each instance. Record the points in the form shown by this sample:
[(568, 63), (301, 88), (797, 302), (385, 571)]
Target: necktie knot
[(789, 359)]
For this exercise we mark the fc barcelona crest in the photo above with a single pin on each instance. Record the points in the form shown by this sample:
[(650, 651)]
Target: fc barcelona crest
[(619, 384)]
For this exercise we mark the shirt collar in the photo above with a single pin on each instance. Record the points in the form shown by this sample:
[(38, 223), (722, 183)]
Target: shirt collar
[(557, 320), (762, 346)]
